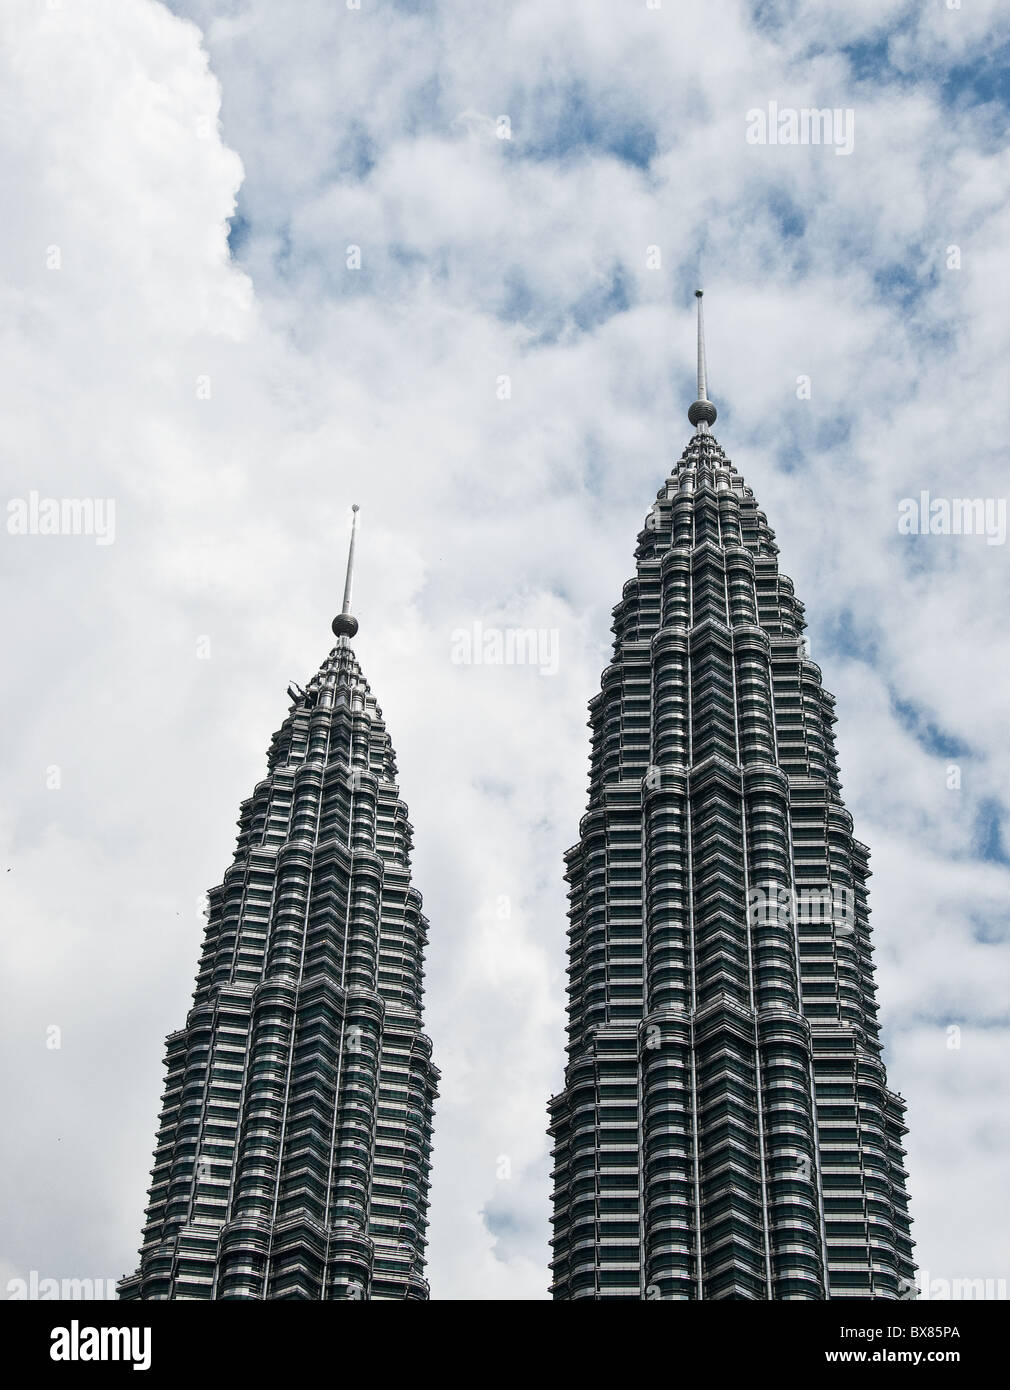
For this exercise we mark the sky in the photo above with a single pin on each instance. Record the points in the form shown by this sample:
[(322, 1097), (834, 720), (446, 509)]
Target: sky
[(265, 261)]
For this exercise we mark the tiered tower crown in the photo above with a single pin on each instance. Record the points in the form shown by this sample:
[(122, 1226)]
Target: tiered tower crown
[(725, 1130)]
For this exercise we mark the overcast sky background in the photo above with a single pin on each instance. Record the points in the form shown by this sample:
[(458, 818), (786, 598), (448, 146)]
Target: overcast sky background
[(202, 168)]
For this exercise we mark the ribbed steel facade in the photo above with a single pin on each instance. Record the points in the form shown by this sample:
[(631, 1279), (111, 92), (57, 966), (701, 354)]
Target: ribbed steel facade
[(725, 1130), (293, 1153)]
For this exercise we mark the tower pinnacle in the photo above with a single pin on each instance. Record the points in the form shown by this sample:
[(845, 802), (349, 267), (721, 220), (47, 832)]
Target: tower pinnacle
[(344, 625), (702, 413)]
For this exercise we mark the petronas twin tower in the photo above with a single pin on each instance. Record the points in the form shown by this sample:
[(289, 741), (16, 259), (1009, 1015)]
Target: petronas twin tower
[(294, 1149), (725, 1130)]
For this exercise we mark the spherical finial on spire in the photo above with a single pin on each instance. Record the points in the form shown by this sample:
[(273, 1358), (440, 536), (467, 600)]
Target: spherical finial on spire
[(344, 625), (702, 410)]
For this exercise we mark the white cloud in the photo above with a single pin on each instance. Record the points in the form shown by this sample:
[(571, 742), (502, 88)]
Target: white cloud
[(480, 258)]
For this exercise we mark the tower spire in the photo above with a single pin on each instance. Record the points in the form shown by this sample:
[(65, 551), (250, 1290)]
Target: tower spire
[(702, 413), (344, 625)]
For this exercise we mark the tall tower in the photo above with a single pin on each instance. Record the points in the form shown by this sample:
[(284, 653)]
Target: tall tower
[(725, 1130), (293, 1152)]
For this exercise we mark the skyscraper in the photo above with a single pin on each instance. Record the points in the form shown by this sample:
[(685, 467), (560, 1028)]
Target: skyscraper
[(725, 1130), (293, 1152)]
